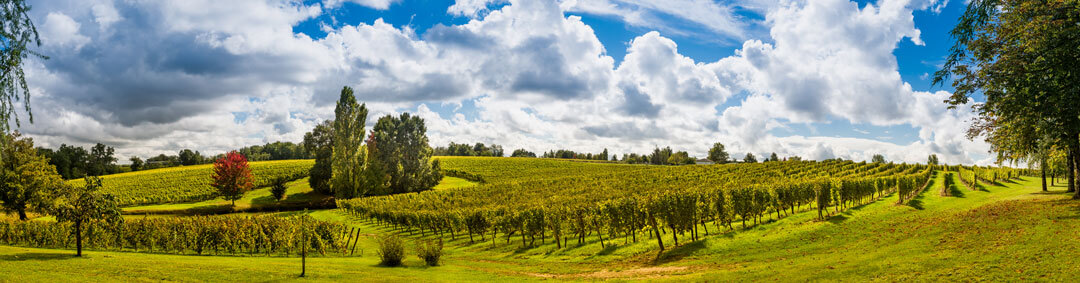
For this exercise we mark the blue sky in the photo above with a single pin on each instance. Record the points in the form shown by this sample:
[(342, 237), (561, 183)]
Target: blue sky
[(818, 79), (917, 63)]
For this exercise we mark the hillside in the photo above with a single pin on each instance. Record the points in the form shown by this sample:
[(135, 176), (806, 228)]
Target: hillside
[(188, 183)]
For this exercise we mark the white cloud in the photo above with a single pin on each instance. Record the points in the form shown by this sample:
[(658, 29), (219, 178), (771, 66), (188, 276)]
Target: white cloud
[(59, 29), (234, 75)]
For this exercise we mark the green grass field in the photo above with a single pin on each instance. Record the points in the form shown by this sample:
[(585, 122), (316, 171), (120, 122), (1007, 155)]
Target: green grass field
[(998, 233)]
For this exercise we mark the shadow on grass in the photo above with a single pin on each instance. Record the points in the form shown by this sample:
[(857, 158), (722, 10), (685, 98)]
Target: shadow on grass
[(678, 253), (37, 256), (954, 191)]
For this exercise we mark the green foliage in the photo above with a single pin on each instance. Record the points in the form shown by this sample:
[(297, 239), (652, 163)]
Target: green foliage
[(479, 149), (26, 178), (521, 152), (398, 149), (82, 205), (391, 250), (18, 35), (258, 235), (750, 158), (521, 196), (319, 142), (278, 188), (188, 183), (136, 163), (878, 158), (430, 251), (1021, 57), (717, 154), (349, 154)]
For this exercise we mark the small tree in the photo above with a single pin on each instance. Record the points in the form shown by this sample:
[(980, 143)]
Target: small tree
[(750, 158), (773, 157), (717, 154), (232, 176), (83, 205), (932, 160), (878, 158), (136, 163), (391, 250), (279, 188), (430, 251)]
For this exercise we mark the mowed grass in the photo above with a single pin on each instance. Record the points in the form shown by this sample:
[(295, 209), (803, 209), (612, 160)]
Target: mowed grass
[(997, 233), (453, 183)]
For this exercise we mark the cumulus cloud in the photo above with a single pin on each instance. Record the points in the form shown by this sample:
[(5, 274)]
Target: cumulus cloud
[(155, 77)]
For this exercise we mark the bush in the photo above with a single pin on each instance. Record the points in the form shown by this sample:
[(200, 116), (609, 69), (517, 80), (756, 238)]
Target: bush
[(279, 188), (430, 252), (391, 250)]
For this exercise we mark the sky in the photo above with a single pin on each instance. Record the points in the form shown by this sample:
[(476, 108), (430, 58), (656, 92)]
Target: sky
[(817, 79)]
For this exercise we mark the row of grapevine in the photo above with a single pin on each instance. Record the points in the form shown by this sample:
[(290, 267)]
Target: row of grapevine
[(261, 235), (671, 200), (188, 183)]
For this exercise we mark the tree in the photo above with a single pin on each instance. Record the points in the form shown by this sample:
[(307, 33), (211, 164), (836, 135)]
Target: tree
[(188, 157), (101, 160), (136, 163), (750, 158), (717, 154), (773, 157), (278, 188), (660, 156), (1020, 56), (232, 176), (319, 142), (400, 151), (349, 154), (521, 152), (878, 158), (83, 205), (18, 34), (932, 160), (680, 158), (26, 178)]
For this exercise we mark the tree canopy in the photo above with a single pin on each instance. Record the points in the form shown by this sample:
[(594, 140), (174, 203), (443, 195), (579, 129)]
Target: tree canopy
[(399, 150), (349, 154), (26, 178), (717, 154), (1022, 57)]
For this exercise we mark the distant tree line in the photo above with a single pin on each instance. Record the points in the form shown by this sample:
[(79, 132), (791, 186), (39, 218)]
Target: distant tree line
[(478, 149), (76, 162), (570, 154)]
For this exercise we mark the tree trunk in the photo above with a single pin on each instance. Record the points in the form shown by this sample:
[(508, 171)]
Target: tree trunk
[(1071, 167), (78, 238), (22, 215), (1042, 167), (1075, 178), (652, 221)]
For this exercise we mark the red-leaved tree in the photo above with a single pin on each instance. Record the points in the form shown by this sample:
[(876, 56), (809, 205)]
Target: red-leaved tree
[(232, 176)]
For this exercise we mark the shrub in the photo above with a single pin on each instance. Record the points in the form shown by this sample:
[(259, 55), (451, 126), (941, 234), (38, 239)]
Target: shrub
[(430, 251), (391, 250), (278, 189)]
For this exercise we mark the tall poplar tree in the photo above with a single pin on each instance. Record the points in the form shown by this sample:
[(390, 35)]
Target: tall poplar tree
[(349, 154)]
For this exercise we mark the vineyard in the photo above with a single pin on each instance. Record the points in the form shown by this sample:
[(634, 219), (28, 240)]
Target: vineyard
[(233, 235), (538, 198), (188, 183)]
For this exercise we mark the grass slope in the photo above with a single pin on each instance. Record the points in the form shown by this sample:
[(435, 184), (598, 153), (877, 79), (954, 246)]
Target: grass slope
[(996, 233), (188, 183)]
